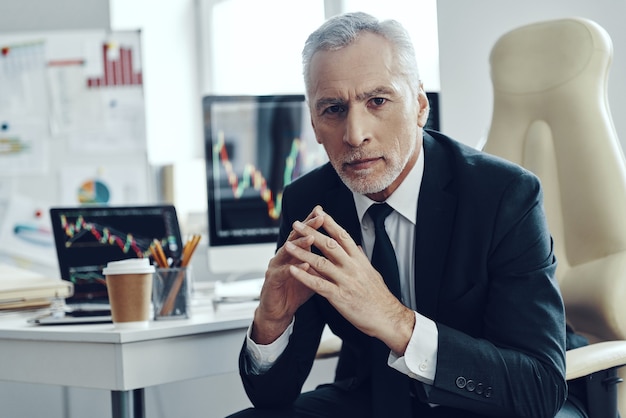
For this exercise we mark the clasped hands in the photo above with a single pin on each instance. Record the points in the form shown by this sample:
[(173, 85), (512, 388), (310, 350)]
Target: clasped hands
[(342, 274)]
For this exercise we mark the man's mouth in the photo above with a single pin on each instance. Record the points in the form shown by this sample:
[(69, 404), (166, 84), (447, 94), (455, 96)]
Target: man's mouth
[(363, 163)]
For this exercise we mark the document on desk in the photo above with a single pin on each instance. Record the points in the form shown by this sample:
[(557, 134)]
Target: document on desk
[(20, 288), (237, 296), (238, 291)]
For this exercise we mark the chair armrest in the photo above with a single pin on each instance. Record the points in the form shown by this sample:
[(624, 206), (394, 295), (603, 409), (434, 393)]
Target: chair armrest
[(593, 295), (592, 358), (330, 346)]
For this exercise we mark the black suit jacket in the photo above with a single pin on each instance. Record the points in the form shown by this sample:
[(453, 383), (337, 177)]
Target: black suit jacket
[(484, 271)]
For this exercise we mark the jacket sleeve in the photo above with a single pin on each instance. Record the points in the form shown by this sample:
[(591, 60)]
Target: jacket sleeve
[(512, 361), (282, 383)]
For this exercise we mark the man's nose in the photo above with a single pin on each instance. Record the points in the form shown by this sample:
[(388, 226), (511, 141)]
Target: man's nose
[(356, 127)]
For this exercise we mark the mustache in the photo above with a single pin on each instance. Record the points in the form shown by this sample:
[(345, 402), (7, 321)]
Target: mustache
[(359, 155)]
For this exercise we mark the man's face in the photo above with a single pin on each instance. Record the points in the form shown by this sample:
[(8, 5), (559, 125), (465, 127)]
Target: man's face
[(366, 116)]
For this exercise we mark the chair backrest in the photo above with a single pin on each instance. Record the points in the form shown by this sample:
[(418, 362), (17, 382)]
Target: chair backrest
[(551, 115)]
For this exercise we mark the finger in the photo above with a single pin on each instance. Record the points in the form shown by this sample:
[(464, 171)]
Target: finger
[(322, 265), (336, 245), (314, 220), (337, 232), (326, 244), (307, 267), (316, 212), (318, 284), (304, 242)]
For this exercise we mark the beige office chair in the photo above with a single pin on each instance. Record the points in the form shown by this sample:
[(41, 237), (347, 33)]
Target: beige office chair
[(551, 115)]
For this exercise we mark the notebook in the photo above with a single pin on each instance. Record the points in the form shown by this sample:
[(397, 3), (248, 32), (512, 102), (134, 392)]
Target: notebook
[(88, 237), (23, 289)]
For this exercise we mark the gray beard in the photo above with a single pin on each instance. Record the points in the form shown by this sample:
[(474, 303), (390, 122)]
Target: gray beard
[(366, 185)]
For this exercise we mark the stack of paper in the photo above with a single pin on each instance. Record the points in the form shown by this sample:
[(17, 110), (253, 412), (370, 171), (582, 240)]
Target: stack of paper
[(238, 291), (21, 288), (237, 296)]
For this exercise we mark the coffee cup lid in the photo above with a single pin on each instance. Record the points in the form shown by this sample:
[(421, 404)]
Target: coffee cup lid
[(129, 266)]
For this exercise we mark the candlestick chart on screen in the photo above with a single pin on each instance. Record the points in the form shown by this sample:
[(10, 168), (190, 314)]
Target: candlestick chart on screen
[(118, 239), (251, 178)]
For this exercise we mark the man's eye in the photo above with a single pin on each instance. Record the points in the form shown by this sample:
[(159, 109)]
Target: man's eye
[(379, 101), (335, 109)]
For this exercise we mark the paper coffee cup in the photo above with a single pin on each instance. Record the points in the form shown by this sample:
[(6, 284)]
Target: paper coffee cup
[(129, 285)]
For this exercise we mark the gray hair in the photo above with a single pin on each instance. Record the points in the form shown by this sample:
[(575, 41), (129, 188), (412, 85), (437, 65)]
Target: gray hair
[(342, 30)]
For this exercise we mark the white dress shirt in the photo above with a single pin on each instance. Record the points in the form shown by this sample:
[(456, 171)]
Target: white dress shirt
[(420, 358)]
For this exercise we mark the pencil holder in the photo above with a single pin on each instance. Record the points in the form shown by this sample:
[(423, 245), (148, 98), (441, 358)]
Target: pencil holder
[(171, 293)]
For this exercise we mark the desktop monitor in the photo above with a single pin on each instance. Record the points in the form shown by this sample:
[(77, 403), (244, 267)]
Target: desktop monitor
[(254, 146)]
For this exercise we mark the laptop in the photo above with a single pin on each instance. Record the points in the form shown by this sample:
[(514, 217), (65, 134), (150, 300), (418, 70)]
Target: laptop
[(88, 237)]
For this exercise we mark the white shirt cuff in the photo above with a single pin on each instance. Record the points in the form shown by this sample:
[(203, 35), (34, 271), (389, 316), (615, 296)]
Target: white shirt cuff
[(263, 357), (420, 358)]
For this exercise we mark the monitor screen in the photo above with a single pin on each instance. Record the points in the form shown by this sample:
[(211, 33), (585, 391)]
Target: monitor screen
[(88, 237), (254, 146)]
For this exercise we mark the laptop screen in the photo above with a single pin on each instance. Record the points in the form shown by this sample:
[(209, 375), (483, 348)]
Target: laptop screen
[(87, 238)]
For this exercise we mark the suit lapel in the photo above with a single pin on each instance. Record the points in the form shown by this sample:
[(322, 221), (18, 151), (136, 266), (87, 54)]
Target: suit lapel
[(339, 203), (435, 218)]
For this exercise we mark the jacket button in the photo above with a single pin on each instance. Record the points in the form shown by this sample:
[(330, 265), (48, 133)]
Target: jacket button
[(460, 382), (480, 388), (488, 391), (471, 386)]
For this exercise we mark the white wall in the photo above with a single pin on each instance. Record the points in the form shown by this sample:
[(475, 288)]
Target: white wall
[(467, 32), (171, 78), (39, 15)]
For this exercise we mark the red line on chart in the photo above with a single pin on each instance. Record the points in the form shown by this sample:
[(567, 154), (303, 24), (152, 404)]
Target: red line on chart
[(253, 177), (103, 235)]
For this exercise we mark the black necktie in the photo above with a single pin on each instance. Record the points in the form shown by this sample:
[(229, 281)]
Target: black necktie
[(383, 254), (390, 388)]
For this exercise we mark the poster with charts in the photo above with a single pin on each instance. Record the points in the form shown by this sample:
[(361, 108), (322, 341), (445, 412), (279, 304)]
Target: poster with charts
[(97, 94), (24, 133), (72, 129), (83, 88)]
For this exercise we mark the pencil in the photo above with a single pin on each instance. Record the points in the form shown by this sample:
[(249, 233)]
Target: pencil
[(188, 250), (159, 257)]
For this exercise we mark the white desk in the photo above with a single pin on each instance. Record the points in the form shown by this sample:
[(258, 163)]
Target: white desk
[(124, 362)]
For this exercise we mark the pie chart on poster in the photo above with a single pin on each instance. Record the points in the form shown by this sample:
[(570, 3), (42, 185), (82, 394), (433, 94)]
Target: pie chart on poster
[(93, 191)]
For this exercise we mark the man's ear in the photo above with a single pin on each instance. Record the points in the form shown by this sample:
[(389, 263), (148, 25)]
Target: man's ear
[(424, 107), (313, 126)]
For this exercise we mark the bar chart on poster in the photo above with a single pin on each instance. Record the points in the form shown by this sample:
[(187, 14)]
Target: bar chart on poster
[(118, 69), (72, 128)]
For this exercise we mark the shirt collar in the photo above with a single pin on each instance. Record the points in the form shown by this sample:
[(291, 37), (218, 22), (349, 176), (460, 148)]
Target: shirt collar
[(404, 199)]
